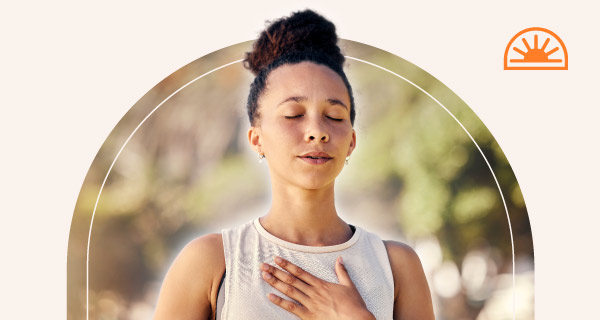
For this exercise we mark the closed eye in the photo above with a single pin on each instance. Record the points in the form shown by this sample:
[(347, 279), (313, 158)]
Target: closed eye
[(300, 115)]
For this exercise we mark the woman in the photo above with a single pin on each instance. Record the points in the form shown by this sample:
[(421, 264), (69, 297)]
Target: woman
[(300, 260)]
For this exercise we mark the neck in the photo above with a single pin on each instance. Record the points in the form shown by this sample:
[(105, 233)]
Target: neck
[(306, 217)]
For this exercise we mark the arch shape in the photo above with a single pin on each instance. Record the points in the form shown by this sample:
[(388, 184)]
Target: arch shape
[(468, 157)]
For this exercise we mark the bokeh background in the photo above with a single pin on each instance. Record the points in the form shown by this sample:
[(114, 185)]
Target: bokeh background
[(178, 166)]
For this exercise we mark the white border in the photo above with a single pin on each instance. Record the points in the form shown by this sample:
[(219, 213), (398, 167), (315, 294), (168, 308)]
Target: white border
[(87, 262)]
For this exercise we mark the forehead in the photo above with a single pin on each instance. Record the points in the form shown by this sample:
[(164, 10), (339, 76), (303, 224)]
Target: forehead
[(309, 79)]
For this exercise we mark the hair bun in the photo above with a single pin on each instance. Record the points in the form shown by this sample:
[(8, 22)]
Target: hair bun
[(302, 31)]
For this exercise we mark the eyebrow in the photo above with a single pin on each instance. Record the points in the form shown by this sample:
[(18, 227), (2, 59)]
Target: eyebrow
[(334, 102), (299, 99), (295, 99)]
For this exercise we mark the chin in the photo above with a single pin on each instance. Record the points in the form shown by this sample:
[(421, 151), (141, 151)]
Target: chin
[(316, 184), (309, 180)]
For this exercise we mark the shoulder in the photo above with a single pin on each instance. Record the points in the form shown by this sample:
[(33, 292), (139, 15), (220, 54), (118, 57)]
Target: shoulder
[(405, 264), (209, 245), (190, 285), (408, 277), (203, 256), (402, 255)]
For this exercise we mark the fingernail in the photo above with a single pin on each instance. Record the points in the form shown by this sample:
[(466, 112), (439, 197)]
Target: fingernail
[(264, 267), (270, 297), (267, 275), (340, 260), (278, 260)]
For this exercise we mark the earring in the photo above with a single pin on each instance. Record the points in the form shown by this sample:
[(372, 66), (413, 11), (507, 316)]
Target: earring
[(347, 158), (260, 158)]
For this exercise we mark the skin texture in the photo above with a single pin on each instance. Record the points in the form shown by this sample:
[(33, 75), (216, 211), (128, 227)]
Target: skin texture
[(305, 108)]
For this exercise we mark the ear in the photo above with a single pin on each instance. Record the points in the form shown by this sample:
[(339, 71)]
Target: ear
[(352, 143), (254, 138)]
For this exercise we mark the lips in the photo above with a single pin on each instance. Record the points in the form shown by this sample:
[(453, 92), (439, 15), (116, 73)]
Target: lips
[(316, 155)]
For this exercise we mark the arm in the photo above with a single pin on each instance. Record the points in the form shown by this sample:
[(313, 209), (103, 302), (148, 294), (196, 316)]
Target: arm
[(412, 298), (190, 287)]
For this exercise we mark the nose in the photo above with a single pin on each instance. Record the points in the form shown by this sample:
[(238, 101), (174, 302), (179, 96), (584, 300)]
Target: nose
[(315, 131), (324, 137)]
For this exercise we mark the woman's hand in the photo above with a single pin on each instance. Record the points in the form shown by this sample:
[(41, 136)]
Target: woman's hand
[(318, 299)]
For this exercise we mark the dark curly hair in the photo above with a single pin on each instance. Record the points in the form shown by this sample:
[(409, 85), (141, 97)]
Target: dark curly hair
[(303, 36)]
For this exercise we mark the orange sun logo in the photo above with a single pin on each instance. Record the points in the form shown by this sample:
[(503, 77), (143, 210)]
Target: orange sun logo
[(536, 58)]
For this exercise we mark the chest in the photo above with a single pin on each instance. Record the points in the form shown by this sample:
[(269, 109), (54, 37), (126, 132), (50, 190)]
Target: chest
[(245, 292)]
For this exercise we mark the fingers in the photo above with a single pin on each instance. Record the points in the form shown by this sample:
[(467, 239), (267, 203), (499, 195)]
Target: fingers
[(297, 271), (284, 282), (342, 273), (285, 277), (290, 306)]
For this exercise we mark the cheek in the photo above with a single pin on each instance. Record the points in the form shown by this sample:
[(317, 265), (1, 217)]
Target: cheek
[(279, 136), (343, 134)]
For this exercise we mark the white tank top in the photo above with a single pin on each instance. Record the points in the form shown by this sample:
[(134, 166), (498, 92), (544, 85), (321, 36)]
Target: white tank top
[(243, 293)]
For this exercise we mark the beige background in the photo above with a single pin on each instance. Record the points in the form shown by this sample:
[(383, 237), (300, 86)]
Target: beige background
[(56, 55)]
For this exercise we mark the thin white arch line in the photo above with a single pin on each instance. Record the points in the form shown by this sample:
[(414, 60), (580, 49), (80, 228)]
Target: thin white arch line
[(236, 61), (87, 261), (483, 155)]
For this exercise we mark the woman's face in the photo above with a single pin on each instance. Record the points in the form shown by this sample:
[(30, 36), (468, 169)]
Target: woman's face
[(304, 127)]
